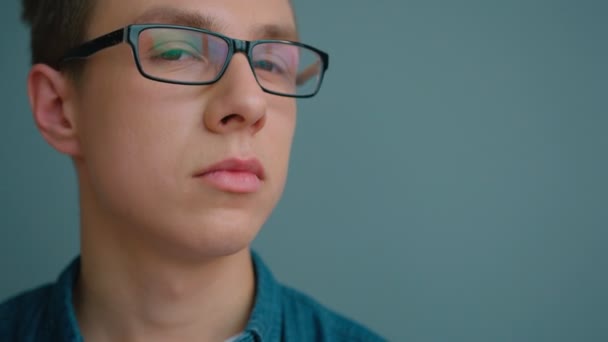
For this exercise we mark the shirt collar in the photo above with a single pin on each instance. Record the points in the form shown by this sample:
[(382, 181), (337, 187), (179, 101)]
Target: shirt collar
[(61, 316), (264, 322), (266, 318)]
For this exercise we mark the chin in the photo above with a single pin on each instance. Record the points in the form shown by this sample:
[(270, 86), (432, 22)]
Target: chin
[(211, 239)]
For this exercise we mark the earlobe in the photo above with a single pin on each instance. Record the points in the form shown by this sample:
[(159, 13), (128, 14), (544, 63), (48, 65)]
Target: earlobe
[(48, 91)]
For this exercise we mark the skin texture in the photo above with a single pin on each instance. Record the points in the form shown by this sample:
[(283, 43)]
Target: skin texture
[(164, 255)]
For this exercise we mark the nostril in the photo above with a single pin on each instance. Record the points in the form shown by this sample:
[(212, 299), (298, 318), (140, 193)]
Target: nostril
[(230, 117)]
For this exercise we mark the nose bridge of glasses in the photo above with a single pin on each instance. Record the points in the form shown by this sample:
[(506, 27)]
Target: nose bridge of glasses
[(239, 45), (242, 46)]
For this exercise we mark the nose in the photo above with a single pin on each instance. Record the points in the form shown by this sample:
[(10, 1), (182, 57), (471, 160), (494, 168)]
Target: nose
[(236, 101)]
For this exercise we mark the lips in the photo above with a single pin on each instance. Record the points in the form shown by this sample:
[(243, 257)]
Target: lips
[(234, 175)]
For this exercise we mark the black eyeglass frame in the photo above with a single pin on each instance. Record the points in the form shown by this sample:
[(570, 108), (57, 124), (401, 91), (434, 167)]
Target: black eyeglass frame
[(130, 34)]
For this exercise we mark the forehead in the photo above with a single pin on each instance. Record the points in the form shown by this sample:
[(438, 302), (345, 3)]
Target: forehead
[(244, 19)]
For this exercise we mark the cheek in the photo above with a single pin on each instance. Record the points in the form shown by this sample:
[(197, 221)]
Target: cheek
[(133, 145), (280, 130)]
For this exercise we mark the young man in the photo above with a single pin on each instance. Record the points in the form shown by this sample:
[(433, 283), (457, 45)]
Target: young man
[(178, 116)]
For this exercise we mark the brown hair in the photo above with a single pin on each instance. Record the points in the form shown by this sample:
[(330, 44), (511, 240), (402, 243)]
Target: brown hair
[(56, 26)]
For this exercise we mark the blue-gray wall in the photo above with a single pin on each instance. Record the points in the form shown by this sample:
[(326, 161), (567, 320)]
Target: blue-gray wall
[(448, 184)]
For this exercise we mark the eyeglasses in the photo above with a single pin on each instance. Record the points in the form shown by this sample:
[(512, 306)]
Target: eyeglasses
[(192, 56)]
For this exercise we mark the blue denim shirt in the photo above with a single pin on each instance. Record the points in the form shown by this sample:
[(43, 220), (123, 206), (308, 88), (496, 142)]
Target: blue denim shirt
[(280, 313)]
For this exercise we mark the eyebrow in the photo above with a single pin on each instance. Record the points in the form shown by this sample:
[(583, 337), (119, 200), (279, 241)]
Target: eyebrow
[(176, 16), (271, 31)]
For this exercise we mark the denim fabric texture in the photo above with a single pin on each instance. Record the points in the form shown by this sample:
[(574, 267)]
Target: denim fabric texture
[(280, 313)]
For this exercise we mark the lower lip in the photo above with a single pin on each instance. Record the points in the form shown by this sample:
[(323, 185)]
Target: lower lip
[(233, 181)]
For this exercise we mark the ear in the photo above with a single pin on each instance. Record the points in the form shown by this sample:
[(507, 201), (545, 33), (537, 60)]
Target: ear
[(53, 108)]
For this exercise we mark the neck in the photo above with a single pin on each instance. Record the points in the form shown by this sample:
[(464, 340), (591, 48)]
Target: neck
[(128, 292)]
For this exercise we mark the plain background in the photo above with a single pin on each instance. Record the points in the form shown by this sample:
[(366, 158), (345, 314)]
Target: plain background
[(448, 183)]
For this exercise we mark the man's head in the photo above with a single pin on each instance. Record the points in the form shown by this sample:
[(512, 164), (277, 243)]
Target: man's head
[(143, 148)]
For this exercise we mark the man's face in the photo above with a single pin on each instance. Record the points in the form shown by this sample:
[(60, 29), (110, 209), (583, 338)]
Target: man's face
[(145, 145)]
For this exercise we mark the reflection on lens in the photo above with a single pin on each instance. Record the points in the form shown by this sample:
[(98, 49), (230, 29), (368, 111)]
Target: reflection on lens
[(181, 55)]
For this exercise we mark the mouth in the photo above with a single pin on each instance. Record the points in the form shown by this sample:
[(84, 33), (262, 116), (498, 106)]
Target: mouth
[(234, 175)]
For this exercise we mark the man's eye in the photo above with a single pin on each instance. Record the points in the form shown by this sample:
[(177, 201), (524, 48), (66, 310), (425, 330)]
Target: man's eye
[(172, 55), (268, 65), (174, 52)]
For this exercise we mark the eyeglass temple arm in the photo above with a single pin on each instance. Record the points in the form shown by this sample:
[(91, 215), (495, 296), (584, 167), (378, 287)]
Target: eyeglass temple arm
[(87, 49)]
